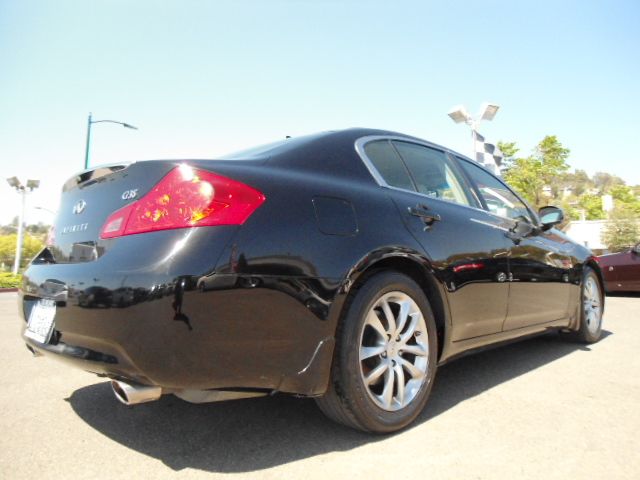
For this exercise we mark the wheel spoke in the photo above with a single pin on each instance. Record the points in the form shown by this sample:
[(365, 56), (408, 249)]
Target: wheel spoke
[(417, 350), (391, 321), (403, 316), (588, 289), (411, 369), (374, 322), (368, 352), (387, 391), (376, 373), (399, 373), (411, 329)]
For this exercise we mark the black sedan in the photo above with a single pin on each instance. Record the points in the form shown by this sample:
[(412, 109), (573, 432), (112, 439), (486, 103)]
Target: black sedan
[(344, 266)]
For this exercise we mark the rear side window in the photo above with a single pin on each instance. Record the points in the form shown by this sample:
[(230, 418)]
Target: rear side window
[(499, 199), (388, 164), (431, 172)]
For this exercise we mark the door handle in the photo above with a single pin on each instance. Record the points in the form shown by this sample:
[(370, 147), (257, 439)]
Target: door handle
[(426, 215)]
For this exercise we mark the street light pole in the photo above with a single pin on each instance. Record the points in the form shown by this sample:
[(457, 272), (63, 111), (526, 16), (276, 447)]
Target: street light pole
[(459, 114), (86, 150), (22, 190), (90, 122)]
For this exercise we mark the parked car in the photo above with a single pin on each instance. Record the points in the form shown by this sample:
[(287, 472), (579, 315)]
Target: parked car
[(344, 266), (621, 271)]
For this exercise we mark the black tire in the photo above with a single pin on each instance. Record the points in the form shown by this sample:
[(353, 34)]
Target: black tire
[(348, 399), (588, 331)]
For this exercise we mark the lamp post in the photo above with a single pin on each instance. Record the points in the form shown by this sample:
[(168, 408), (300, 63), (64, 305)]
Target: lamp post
[(31, 185), (90, 122), (487, 112)]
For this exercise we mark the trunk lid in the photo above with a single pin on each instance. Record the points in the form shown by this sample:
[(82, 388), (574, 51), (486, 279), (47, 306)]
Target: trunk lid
[(88, 199)]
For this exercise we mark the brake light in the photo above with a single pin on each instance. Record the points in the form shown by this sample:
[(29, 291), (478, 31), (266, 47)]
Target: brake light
[(185, 197)]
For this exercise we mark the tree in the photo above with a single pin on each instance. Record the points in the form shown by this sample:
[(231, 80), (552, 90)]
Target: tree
[(622, 231), (579, 182), (592, 206), (605, 181), (31, 246), (509, 152), (624, 197), (544, 168)]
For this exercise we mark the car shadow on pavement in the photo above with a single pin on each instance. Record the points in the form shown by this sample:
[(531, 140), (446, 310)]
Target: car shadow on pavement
[(624, 294), (249, 435)]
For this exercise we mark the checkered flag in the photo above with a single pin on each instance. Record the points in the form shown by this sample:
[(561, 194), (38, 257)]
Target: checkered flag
[(488, 154)]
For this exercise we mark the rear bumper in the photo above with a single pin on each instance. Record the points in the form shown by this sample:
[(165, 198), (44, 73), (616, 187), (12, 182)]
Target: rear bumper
[(252, 335), (177, 326)]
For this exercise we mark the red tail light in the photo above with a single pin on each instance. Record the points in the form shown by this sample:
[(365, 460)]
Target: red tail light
[(185, 197)]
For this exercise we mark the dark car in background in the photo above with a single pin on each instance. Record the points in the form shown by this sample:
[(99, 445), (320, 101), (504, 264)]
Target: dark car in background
[(344, 266), (621, 271)]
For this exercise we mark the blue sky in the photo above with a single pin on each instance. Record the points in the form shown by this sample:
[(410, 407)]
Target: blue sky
[(201, 78)]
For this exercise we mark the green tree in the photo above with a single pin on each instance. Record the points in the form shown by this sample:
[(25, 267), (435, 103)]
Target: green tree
[(544, 168), (509, 151), (31, 246), (592, 206), (622, 231), (624, 197)]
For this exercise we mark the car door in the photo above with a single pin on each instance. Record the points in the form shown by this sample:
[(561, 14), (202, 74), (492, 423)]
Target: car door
[(627, 270), (539, 261), (466, 245)]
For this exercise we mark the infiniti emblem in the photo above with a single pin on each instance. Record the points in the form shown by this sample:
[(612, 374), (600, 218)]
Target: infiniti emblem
[(79, 207)]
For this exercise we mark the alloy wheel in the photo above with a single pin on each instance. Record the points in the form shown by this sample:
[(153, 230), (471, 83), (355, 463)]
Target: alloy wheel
[(394, 351), (592, 304)]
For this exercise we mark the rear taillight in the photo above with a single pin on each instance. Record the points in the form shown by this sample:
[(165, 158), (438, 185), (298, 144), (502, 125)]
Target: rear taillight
[(185, 197)]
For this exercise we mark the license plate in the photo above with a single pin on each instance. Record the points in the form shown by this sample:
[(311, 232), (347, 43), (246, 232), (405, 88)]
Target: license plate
[(41, 318)]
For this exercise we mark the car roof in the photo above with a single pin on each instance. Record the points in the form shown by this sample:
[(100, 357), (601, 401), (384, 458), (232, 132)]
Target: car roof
[(321, 140)]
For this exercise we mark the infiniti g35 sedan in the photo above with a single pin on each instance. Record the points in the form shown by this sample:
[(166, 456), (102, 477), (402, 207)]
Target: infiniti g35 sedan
[(344, 266)]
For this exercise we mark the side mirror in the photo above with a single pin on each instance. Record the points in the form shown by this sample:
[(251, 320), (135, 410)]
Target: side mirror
[(550, 216), (636, 249)]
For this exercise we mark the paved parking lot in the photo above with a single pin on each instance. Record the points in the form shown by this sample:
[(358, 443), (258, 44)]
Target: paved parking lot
[(538, 409)]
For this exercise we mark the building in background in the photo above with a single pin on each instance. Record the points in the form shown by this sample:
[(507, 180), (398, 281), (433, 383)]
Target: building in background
[(587, 233)]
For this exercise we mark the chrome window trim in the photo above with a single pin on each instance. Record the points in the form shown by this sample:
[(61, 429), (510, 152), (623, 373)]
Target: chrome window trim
[(362, 141)]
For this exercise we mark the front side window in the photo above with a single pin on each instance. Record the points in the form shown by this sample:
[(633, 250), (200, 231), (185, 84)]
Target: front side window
[(499, 199), (431, 172)]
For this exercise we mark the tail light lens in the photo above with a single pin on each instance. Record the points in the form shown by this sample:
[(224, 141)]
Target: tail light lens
[(185, 197)]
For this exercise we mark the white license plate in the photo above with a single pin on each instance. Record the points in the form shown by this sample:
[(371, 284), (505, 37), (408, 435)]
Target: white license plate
[(41, 318)]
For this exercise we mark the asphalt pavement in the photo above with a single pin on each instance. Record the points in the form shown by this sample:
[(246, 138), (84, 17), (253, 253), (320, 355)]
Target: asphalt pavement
[(542, 408)]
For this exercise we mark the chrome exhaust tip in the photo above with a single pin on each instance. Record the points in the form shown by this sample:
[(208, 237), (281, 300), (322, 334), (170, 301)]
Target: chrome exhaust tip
[(134, 394)]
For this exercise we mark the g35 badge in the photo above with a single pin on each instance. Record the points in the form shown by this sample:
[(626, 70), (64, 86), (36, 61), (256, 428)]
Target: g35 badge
[(129, 194)]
